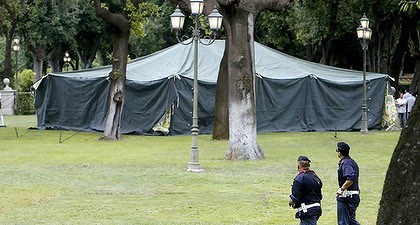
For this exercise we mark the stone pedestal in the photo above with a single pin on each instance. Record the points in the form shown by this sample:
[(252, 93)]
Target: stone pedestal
[(7, 102), (7, 99)]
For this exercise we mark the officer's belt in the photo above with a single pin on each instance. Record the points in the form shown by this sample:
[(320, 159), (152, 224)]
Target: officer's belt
[(348, 193), (305, 208)]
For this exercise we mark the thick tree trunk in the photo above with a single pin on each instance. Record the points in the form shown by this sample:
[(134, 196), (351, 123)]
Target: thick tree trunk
[(327, 57), (7, 63), (415, 84), (400, 49), (241, 70), (401, 194), (38, 55), (329, 52), (384, 46), (87, 56), (221, 114), (121, 34), (12, 18), (239, 20), (56, 58), (310, 52), (116, 94)]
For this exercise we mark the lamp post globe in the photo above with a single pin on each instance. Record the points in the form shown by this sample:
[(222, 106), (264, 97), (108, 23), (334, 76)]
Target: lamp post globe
[(177, 19), (196, 7), (364, 21), (215, 20)]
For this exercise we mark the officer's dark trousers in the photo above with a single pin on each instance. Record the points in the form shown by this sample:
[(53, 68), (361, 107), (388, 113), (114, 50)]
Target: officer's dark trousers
[(346, 213), (309, 220)]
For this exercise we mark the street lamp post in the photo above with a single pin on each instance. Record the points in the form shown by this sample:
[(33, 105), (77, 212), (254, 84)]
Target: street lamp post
[(177, 22), (16, 49), (364, 33), (67, 60)]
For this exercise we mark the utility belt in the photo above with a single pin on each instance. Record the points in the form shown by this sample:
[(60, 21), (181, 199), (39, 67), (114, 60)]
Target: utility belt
[(305, 207), (347, 193)]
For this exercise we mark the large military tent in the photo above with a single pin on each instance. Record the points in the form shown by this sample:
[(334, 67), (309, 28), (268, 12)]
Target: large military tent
[(291, 94)]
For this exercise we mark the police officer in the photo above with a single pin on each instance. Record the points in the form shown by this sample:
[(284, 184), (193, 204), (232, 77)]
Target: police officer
[(348, 198), (306, 193)]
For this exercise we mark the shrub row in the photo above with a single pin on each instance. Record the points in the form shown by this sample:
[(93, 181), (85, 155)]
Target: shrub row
[(25, 103)]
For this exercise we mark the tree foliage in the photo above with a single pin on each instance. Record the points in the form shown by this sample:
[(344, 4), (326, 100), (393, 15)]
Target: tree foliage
[(91, 34), (48, 27), (26, 79), (307, 29), (150, 30), (10, 11)]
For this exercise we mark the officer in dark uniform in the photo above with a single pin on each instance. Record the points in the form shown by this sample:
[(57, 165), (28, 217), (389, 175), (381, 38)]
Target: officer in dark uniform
[(348, 198), (306, 193)]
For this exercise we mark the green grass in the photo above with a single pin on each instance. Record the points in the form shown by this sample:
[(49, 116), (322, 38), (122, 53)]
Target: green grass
[(143, 179)]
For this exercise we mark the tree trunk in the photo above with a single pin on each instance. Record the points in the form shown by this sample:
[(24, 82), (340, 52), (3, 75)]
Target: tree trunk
[(56, 58), (384, 46), (116, 94), (401, 193), (239, 24), (88, 55), (400, 49), (7, 70), (38, 55), (415, 83), (329, 52), (221, 114), (121, 34), (332, 26), (239, 20), (310, 52)]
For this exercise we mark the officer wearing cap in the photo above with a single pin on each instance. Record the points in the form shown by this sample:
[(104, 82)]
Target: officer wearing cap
[(348, 198), (306, 193)]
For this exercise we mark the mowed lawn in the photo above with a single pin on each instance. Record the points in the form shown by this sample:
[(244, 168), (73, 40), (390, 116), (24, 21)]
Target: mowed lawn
[(143, 179)]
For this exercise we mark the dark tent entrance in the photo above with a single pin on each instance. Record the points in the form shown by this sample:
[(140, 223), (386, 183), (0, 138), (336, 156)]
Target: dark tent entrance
[(291, 94)]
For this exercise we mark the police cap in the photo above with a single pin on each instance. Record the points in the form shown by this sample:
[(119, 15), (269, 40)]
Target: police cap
[(303, 158)]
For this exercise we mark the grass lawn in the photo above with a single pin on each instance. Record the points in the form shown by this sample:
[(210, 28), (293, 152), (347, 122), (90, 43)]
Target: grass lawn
[(143, 179)]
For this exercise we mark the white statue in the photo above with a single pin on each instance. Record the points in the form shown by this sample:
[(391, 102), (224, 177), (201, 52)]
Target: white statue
[(6, 82)]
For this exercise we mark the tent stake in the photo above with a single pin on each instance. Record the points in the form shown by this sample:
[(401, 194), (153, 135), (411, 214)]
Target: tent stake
[(61, 134), (16, 131), (335, 128)]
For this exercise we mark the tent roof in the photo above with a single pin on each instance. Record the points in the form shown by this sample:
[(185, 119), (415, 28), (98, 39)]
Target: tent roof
[(178, 60)]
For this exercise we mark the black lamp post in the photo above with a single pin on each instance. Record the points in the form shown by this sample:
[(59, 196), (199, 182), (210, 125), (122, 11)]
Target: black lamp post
[(177, 22), (364, 33), (16, 49), (67, 60)]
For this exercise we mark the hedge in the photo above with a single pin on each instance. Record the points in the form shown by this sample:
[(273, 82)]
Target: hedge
[(25, 103)]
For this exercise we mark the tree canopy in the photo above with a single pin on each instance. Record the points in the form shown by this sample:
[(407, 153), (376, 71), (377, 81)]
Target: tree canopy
[(317, 30)]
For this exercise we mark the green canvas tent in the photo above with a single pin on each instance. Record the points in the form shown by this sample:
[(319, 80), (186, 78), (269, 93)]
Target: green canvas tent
[(291, 94)]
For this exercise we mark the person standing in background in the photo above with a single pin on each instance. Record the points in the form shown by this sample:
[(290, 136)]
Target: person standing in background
[(410, 102), (402, 110)]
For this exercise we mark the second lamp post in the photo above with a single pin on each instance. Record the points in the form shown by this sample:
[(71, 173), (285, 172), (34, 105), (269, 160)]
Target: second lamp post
[(364, 33), (177, 22), (67, 60), (16, 49)]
